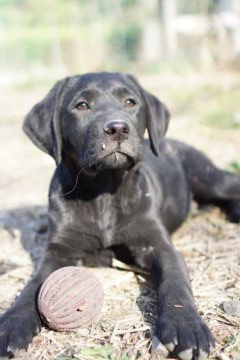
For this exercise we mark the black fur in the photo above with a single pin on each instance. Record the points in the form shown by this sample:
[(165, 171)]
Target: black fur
[(115, 194)]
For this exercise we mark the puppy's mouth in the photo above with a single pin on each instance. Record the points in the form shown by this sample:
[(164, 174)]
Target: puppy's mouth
[(113, 161)]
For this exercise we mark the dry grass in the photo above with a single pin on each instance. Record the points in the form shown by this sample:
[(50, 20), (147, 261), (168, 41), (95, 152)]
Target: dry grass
[(210, 246)]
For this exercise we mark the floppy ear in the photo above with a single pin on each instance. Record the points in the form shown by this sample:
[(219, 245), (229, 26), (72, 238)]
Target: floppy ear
[(42, 122), (157, 120), (157, 117)]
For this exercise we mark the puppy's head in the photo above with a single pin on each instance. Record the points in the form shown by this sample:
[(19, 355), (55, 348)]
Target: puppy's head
[(97, 122)]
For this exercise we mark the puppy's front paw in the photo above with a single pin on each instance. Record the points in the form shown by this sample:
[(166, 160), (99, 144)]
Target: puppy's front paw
[(17, 328), (183, 334)]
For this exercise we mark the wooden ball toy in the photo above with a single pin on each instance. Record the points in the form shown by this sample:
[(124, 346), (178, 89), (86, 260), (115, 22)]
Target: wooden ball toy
[(70, 298)]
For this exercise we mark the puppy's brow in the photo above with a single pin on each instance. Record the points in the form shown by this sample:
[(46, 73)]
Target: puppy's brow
[(89, 93), (121, 91)]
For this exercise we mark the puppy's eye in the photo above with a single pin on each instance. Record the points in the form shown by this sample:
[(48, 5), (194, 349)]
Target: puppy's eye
[(130, 102), (82, 105)]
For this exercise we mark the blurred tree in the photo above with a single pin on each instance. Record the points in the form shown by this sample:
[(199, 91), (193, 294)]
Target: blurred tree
[(169, 12), (151, 32)]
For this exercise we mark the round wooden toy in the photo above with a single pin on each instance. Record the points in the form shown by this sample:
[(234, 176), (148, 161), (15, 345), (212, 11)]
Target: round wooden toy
[(70, 298)]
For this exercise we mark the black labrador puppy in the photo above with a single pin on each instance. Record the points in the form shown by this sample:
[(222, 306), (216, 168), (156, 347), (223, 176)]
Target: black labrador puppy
[(115, 194)]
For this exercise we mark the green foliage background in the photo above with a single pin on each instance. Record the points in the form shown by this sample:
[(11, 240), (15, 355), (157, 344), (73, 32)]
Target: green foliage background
[(101, 32), (53, 31)]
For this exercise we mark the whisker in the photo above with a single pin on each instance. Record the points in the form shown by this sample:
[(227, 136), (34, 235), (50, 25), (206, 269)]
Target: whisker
[(76, 181), (74, 187)]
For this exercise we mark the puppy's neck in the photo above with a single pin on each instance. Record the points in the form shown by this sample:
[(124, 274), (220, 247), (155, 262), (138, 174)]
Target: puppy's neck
[(79, 184)]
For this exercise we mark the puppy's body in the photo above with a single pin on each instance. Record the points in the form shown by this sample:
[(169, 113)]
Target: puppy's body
[(107, 203), (115, 194)]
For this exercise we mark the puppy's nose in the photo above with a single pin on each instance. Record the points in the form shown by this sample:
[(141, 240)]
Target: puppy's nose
[(117, 129)]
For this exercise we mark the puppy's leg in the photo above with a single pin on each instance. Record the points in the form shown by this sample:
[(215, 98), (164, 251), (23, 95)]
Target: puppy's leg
[(210, 185), (231, 208), (22, 322), (180, 329)]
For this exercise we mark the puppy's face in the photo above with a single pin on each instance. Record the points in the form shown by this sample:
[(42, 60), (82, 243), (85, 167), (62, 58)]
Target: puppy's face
[(96, 122), (102, 120)]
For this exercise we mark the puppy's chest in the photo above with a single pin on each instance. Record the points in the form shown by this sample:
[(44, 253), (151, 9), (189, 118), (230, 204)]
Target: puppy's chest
[(106, 218)]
